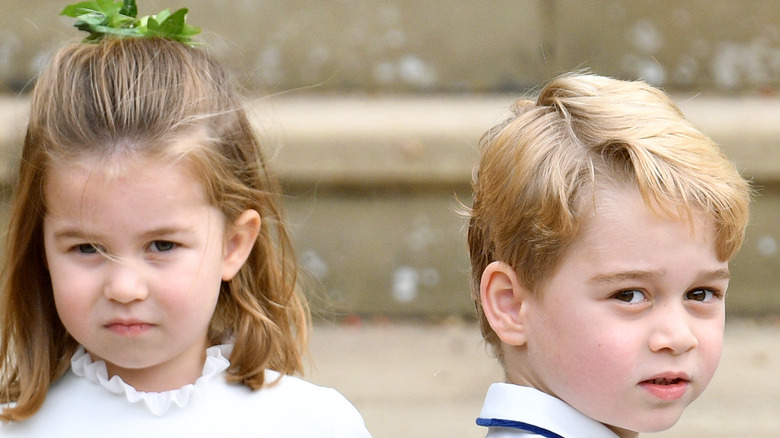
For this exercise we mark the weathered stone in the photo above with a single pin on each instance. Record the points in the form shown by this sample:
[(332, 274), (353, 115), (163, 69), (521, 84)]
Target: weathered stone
[(459, 45), (373, 185)]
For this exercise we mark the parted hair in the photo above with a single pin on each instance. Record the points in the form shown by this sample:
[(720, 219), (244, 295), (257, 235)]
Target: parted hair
[(124, 96), (539, 169)]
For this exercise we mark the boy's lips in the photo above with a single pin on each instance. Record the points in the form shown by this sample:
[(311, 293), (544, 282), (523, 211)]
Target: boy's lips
[(667, 386)]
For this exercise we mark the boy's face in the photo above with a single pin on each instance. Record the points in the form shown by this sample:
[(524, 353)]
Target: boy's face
[(629, 328)]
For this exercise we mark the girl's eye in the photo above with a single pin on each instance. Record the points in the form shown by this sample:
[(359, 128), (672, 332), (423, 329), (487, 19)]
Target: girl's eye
[(87, 248), (701, 295), (630, 296), (162, 246)]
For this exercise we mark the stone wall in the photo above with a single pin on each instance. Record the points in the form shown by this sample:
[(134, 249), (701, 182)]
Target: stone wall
[(454, 45), (372, 110)]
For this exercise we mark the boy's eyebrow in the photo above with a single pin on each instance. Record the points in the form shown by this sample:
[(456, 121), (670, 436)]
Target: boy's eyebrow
[(614, 277), (718, 274)]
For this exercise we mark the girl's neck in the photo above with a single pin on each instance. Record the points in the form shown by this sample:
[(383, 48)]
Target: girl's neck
[(166, 376)]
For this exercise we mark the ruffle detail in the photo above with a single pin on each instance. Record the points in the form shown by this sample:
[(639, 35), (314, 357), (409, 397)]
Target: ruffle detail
[(158, 403)]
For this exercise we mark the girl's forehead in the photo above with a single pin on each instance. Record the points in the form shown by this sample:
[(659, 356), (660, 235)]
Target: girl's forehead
[(126, 156), (92, 184), (117, 166), (91, 181)]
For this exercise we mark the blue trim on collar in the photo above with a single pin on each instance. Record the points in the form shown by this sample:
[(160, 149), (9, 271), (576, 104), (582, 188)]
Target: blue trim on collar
[(497, 422)]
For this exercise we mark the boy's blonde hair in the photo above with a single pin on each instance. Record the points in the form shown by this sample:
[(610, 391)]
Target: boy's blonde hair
[(539, 169), (164, 100)]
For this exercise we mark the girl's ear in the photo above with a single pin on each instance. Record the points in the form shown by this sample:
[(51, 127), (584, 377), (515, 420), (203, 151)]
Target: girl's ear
[(503, 302), (239, 240)]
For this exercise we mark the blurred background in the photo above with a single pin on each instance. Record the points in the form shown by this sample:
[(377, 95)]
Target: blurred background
[(371, 111)]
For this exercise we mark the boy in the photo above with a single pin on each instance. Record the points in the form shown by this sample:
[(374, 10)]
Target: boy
[(600, 235)]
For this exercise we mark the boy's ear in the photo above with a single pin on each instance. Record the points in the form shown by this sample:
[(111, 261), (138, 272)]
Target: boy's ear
[(239, 240), (503, 302)]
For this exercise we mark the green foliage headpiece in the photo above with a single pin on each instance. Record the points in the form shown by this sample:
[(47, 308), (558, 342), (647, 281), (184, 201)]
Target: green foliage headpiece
[(104, 18)]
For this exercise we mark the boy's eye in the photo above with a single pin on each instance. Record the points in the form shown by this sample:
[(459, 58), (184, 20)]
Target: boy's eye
[(162, 245), (629, 296), (702, 295)]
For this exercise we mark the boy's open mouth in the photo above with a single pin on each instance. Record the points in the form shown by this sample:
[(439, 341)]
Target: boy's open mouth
[(664, 381), (666, 388)]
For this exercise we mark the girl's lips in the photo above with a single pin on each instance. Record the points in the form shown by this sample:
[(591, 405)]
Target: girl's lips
[(128, 328), (667, 387)]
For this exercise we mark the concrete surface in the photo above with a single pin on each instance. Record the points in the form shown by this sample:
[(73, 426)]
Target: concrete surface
[(417, 380)]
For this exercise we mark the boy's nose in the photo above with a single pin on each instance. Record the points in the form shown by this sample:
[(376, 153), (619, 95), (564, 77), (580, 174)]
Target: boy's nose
[(125, 283), (672, 331)]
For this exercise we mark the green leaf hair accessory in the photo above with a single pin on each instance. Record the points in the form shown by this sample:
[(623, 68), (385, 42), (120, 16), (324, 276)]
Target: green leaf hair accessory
[(103, 18)]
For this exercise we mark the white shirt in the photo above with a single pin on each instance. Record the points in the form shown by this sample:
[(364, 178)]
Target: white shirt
[(85, 403), (514, 411)]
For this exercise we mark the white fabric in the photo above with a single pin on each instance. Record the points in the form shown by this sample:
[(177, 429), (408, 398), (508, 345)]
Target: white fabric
[(158, 403), (528, 405), (85, 403)]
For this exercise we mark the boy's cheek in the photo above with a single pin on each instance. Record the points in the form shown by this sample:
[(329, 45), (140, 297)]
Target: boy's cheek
[(710, 349)]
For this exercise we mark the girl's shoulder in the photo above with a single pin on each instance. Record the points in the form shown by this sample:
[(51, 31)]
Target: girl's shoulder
[(89, 405), (299, 403)]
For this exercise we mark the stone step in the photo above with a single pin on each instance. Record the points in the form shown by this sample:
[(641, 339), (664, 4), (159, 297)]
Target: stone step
[(374, 184)]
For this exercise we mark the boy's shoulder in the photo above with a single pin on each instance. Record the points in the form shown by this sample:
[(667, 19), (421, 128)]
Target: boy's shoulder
[(514, 410)]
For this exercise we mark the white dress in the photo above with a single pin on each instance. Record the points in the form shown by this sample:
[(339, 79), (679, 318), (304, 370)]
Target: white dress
[(85, 403)]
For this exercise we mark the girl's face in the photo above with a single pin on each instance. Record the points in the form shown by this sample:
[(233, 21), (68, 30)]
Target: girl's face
[(136, 261)]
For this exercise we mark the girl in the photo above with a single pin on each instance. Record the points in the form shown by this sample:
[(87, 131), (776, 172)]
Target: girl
[(149, 285)]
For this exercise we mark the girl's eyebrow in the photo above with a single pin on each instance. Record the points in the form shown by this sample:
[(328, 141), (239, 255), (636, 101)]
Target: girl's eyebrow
[(166, 231), (74, 233), (614, 277), (70, 233)]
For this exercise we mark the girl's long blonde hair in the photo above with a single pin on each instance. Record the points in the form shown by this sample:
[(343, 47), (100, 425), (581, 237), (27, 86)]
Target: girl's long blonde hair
[(141, 95)]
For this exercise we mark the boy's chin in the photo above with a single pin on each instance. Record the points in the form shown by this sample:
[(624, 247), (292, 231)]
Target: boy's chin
[(646, 424)]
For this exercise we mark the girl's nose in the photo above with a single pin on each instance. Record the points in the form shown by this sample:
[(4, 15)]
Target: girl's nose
[(125, 283), (672, 331)]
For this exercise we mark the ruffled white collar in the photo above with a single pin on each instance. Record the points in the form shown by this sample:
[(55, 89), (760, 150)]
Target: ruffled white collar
[(158, 403)]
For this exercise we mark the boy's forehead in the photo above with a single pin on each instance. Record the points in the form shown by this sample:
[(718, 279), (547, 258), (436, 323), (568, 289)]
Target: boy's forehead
[(625, 205), (625, 238), (612, 198)]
